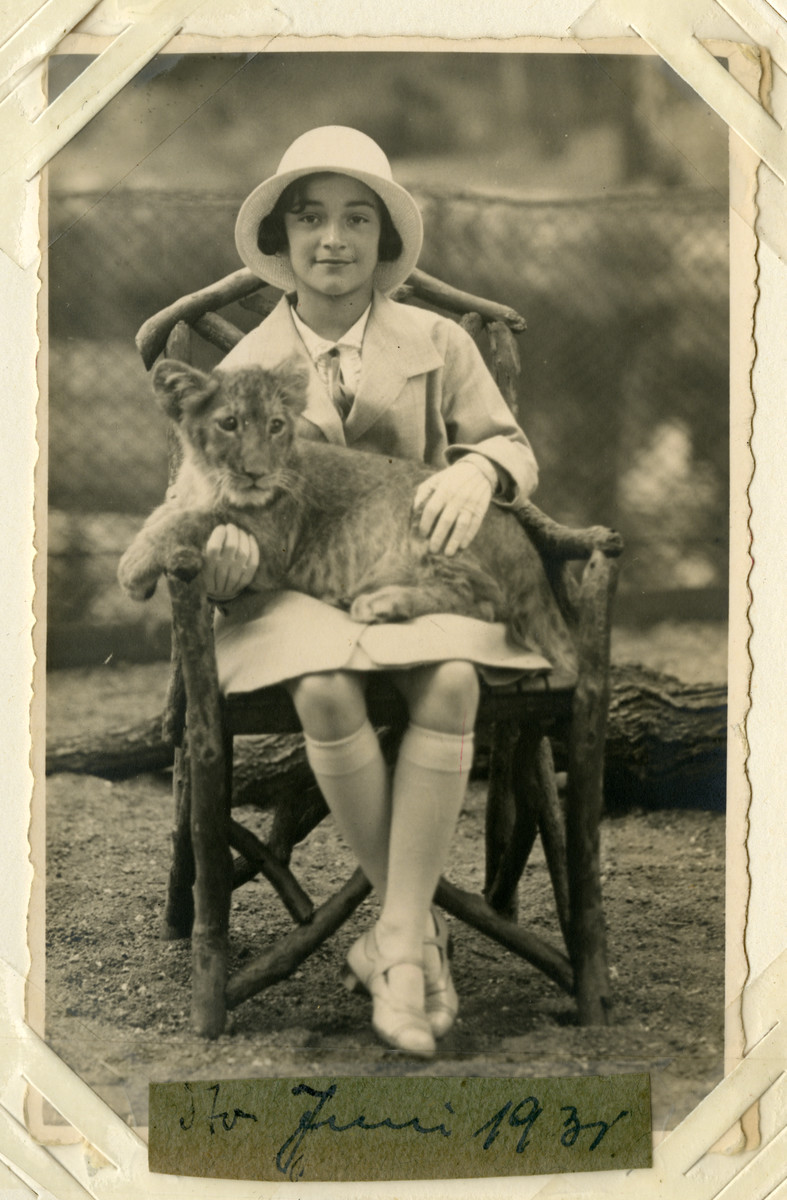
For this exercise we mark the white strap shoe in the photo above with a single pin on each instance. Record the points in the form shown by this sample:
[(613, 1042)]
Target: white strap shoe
[(442, 1002), (400, 1024)]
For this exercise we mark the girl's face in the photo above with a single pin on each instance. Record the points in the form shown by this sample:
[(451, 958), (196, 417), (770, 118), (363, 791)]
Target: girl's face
[(334, 236)]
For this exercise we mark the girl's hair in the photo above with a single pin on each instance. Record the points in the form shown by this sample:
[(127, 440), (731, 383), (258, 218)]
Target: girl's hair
[(272, 235)]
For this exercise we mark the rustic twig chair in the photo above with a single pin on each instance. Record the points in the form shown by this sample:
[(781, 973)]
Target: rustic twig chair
[(518, 721)]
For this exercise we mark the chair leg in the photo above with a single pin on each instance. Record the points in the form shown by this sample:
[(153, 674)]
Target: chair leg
[(551, 826), (588, 943), (500, 815), (294, 820), (179, 910), (212, 890), (210, 758), (522, 786), (537, 810)]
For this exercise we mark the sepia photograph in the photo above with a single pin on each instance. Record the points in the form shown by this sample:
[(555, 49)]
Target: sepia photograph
[(387, 572)]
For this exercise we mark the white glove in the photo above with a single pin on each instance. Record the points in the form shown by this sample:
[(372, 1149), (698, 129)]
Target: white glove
[(232, 557), (453, 503)]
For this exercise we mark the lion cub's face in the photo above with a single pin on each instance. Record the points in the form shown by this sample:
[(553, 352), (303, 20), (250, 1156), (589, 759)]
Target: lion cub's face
[(237, 427)]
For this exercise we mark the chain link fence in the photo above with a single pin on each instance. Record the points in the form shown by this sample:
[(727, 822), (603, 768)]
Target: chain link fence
[(624, 387)]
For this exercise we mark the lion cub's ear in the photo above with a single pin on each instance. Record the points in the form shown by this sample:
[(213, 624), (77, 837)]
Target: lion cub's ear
[(178, 387), (293, 377)]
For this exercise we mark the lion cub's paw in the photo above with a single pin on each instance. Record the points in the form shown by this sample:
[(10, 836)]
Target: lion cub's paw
[(137, 575), (185, 562), (387, 604), (141, 589)]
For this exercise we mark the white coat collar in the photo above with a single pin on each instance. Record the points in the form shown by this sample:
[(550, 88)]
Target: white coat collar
[(396, 347)]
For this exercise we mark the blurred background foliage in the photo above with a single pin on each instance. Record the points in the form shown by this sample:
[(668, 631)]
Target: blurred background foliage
[(588, 192)]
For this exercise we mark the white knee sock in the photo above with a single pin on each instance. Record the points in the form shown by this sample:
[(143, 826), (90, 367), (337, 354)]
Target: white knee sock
[(353, 778), (429, 787)]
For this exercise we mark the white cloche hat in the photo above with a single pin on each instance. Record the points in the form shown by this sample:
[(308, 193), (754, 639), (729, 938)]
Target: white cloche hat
[(341, 151)]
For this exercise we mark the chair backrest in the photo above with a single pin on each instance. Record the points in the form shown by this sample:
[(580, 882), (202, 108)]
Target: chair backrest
[(199, 311)]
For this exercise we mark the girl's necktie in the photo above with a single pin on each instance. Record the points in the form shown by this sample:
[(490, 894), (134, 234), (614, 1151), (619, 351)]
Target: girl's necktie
[(339, 394)]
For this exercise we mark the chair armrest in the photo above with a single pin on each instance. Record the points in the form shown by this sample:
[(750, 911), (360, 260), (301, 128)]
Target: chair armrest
[(558, 545), (562, 543)]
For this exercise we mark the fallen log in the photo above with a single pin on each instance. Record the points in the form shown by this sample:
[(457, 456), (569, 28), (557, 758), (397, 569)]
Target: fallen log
[(666, 742), (112, 753), (666, 746), (267, 769)]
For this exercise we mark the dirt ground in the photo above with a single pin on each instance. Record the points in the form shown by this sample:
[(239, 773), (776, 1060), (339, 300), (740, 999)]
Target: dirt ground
[(117, 997)]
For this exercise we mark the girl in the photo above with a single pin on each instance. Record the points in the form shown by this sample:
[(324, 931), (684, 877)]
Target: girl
[(334, 231)]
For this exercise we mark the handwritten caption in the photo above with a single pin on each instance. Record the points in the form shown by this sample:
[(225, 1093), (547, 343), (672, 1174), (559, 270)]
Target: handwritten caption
[(374, 1129)]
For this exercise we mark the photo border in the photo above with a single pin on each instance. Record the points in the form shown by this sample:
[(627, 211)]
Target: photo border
[(32, 1061)]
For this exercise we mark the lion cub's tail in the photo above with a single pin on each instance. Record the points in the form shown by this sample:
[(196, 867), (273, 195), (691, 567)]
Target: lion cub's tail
[(541, 628), (532, 614)]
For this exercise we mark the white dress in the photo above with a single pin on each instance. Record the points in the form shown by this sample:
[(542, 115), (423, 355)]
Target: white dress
[(259, 644)]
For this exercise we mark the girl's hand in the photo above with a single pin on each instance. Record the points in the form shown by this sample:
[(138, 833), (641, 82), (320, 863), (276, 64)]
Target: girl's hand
[(453, 504), (231, 560)]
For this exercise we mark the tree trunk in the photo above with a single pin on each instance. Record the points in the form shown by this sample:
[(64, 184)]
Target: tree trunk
[(666, 746)]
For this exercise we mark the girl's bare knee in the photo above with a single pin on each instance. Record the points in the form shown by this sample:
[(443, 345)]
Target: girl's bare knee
[(444, 698), (330, 705)]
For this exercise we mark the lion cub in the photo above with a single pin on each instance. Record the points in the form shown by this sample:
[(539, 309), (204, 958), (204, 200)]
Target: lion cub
[(334, 523)]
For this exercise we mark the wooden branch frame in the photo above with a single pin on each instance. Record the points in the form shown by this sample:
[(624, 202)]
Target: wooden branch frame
[(561, 542), (298, 904), (153, 334), (453, 300), (509, 845), (289, 952), (587, 933), (474, 911), (218, 332), (210, 821)]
